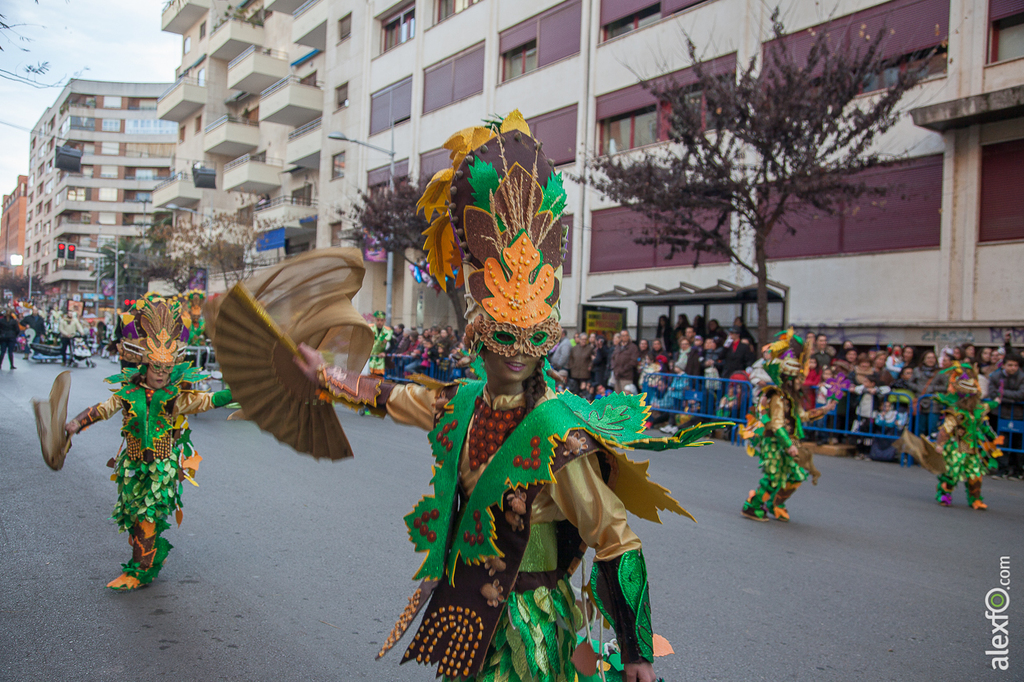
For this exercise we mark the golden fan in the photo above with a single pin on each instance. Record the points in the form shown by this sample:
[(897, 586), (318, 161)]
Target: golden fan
[(51, 416), (922, 451), (258, 326)]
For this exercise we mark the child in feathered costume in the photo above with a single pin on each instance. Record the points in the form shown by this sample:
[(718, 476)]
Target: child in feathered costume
[(154, 399), (774, 430), (968, 444)]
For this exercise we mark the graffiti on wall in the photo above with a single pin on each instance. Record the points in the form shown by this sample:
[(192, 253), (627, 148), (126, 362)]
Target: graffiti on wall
[(878, 337)]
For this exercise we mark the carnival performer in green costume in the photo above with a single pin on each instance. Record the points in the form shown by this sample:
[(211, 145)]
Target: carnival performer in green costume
[(524, 480), (774, 430), (154, 400), (968, 444), (193, 301), (382, 336)]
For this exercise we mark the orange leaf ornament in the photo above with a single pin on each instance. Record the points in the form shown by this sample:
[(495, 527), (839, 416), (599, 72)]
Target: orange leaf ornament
[(516, 299), (443, 256)]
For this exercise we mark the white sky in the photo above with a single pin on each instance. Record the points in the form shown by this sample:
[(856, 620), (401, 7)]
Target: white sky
[(112, 40)]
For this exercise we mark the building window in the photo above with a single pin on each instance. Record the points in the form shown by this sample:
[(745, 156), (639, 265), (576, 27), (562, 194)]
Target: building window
[(199, 124), (309, 80), (108, 171), (338, 166), (110, 148), (202, 30), (201, 77), (111, 102), (111, 125), (1008, 38), (81, 123), (622, 26), (446, 8), (107, 194), (454, 79), (181, 133), (47, 190), (145, 174), (522, 59), (106, 218), (187, 45), (345, 27), (390, 106), (1002, 202), (399, 28), (628, 131), (341, 96), (927, 63), (78, 194)]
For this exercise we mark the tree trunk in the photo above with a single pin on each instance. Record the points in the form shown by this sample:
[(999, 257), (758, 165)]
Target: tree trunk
[(458, 299), (761, 261)]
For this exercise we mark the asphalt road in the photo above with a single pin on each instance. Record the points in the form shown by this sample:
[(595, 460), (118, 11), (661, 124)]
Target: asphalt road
[(290, 569)]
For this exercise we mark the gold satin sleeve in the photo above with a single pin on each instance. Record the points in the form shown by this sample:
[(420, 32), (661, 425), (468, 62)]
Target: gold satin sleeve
[(776, 413), (193, 403), (581, 496), (413, 405), (109, 407)]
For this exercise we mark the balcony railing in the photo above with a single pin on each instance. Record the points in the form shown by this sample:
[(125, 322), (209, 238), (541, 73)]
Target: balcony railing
[(303, 7), (226, 118), (285, 82), (260, 157), (276, 54), (286, 201), (182, 79), (308, 128), (180, 175)]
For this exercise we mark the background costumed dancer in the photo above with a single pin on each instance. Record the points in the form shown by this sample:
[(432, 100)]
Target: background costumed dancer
[(774, 430), (524, 480), (382, 336), (158, 456), (966, 446)]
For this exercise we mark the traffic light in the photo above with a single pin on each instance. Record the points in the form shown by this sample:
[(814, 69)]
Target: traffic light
[(72, 249), (62, 250)]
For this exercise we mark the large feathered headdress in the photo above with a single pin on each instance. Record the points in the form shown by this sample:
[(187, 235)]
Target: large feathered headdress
[(155, 330), (788, 356), (495, 224), (962, 378)]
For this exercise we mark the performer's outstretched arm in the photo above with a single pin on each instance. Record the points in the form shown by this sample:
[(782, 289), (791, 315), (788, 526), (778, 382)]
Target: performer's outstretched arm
[(91, 415), (194, 402), (409, 404)]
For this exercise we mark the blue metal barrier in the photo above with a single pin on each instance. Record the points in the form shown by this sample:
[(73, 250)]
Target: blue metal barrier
[(398, 367), (705, 398)]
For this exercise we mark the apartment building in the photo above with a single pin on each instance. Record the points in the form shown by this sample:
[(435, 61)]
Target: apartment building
[(937, 265), (125, 150), (12, 226)]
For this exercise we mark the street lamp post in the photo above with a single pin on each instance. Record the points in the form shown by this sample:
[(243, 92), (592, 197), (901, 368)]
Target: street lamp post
[(389, 284)]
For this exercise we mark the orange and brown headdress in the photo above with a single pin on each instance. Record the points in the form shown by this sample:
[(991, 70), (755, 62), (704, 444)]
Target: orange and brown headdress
[(155, 330), (496, 226)]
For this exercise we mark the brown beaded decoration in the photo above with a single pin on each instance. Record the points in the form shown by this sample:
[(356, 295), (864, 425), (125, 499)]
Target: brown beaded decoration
[(490, 429), (450, 637)]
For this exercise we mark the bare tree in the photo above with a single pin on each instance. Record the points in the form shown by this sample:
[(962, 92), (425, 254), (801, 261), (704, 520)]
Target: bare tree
[(780, 138), (174, 251), (228, 242), (388, 220)]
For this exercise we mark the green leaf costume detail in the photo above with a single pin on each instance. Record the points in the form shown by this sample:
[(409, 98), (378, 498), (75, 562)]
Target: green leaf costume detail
[(631, 577), (484, 180), (554, 196)]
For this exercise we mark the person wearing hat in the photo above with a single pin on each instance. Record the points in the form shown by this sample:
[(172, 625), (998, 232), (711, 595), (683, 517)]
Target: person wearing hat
[(523, 479), (739, 354), (154, 399), (381, 338), (774, 430)]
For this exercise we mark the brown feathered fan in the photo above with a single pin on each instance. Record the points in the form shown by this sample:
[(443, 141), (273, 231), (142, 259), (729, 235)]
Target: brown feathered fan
[(258, 326), (923, 452)]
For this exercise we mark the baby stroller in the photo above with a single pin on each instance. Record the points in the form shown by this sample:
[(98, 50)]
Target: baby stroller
[(45, 352), (80, 352)]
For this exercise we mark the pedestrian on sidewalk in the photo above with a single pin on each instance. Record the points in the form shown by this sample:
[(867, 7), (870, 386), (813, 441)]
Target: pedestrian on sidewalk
[(9, 330)]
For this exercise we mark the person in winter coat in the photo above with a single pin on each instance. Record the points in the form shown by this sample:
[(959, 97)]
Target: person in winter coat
[(688, 361), (925, 380), (9, 330), (1006, 387), (35, 330), (580, 358), (69, 328), (624, 362), (739, 355), (599, 365), (559, 355)]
